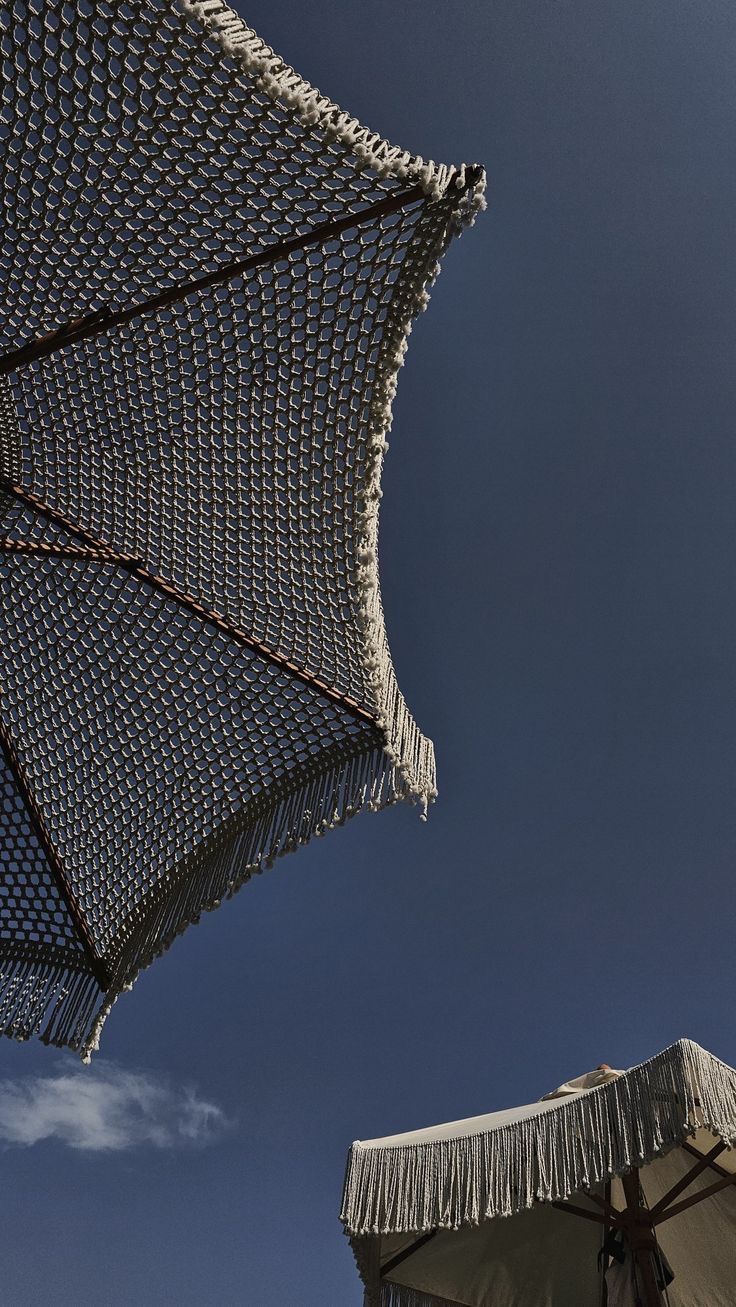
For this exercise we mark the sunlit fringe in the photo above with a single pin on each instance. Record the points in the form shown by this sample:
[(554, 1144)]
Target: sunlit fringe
[(281, 83), (47, 996), (575, 1146), (271, 826)]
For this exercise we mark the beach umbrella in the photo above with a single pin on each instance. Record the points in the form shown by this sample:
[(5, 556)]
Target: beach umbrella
[(617, 1190), (208, 275)]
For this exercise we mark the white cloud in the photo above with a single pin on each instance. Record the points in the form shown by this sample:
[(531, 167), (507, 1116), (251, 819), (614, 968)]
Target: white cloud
[(105, 1109)]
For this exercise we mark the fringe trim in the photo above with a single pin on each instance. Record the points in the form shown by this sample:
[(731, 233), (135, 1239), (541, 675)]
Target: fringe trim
[(464, 190), (281, 83), (409, 751), (545, 1157), (273, 825), (46, 997)]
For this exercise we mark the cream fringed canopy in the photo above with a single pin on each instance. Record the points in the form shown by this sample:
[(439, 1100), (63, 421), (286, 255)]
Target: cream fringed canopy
[(619, 1190), (209, 273)]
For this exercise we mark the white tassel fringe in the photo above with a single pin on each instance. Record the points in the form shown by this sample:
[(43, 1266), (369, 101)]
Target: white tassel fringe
[(545, 1157)]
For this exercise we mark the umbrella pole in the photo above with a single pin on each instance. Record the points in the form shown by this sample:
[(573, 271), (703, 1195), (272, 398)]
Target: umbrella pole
[(603, 1256), (640, 1230)]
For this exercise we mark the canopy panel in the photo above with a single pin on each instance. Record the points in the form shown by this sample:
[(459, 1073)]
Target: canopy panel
[(208, 274)]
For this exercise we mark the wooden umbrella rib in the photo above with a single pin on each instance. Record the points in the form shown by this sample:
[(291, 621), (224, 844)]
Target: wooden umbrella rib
[(605, 1203), (699, 1197), (704, 1161), (573, 1210), (106, 320), (103, 551), (712, 1166), (41, 832), (39, 549), (604, 1256), (406, 1253)]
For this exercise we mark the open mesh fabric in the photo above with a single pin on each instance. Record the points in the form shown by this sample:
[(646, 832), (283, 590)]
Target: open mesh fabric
[(230, 444)]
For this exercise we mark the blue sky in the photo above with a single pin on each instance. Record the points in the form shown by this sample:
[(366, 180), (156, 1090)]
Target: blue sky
[(558, 553)]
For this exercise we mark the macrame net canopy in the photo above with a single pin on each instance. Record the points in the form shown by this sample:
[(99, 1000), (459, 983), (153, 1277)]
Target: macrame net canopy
[(209, 273)]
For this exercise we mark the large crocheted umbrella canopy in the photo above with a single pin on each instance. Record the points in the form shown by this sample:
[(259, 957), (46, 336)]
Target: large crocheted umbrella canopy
[(209, 273), (617, 1190)]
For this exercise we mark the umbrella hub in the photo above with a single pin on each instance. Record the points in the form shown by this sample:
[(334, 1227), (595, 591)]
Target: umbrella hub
[(640, 1231)]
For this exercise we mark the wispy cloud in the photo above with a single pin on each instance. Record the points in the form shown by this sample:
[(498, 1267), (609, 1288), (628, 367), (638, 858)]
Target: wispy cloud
[(106, 1109)]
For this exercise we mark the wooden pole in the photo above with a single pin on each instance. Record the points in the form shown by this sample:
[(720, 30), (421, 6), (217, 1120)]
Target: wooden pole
[(608, 1209), (641, 1238)]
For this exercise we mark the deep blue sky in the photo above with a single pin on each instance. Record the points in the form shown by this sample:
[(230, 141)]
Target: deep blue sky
[(559, 564)]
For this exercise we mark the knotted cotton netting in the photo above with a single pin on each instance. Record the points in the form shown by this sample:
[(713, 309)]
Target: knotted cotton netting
[(209, 274)]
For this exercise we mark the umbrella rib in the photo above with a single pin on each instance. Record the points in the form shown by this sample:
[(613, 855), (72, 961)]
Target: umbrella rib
[(712, 1166), (584, 1212), (105, 320), (604, 1203), (41, 832), (712, 1189), (704, 1161), (407, 1252), (102, 551), (603, 1256), (39, 548)]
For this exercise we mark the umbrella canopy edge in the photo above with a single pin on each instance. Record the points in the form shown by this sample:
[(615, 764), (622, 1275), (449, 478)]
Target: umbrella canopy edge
[(460, 192), (314, 110), (545, 1156)]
